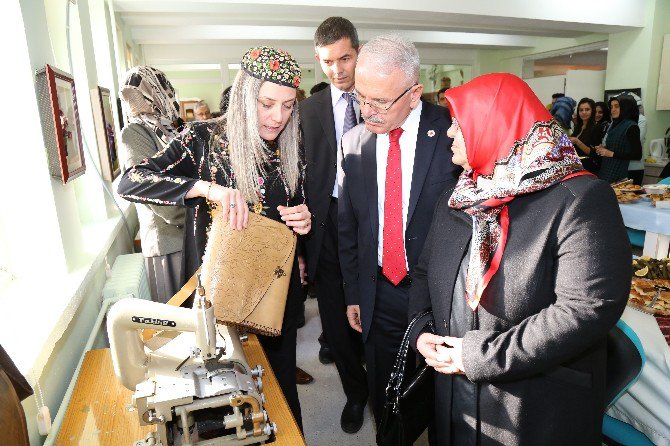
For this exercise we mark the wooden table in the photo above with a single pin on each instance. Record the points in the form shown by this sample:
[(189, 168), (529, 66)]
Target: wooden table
[(100, 413)]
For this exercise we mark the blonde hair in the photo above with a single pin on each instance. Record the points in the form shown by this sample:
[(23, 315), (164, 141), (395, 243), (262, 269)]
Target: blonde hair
[(248, 152)]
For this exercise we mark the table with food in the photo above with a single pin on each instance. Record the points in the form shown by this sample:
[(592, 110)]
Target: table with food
[(647, 208)]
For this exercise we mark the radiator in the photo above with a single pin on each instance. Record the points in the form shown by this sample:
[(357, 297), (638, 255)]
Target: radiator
[(129, 276)]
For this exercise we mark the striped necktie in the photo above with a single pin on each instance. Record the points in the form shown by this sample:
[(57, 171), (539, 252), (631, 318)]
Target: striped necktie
[(350, 120)]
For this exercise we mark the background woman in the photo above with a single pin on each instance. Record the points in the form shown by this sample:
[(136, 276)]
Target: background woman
[(521, 297), (153, 116), (587, 135), (622, 141), (603, 118), (248, 160), (562, 111)]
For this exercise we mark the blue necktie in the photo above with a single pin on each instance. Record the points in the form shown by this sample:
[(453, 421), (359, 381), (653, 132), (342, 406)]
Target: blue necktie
[(350, 120)]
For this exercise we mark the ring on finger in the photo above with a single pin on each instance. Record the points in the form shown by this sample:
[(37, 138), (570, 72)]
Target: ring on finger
[(232, 205)]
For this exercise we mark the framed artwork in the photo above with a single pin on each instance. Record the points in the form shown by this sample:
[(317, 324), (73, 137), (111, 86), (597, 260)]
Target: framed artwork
[(119, 110), (187, 110), (106, 133), (60, 123), (611, 93), (663, 92)]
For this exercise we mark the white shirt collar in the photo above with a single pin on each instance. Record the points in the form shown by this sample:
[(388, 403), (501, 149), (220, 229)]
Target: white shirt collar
[(411, 124), (335, 94)]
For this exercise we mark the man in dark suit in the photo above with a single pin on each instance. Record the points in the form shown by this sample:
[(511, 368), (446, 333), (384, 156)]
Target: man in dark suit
[(392, 171), (325, 117)]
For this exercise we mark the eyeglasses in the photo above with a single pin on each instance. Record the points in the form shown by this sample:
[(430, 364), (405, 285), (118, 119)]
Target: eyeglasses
[(378, 107)]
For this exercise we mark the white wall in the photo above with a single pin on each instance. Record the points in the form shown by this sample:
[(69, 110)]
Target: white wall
[(585, 84), (57, 237), (575, 83), (544, 87)]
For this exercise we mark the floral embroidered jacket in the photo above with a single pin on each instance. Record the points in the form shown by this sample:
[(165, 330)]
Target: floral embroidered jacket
[(165, 178)]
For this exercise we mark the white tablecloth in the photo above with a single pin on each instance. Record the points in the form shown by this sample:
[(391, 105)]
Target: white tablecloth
[(646, 404), (643, 216)]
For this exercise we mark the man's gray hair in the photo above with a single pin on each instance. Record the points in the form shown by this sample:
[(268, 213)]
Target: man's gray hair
[(389, 52), (200, 104)]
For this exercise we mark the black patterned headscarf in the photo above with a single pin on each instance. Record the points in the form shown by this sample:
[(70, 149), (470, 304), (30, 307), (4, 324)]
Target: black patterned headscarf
[(150, 101)]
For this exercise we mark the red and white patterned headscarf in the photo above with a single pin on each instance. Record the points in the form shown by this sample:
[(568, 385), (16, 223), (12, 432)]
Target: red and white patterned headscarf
[(514, 147)]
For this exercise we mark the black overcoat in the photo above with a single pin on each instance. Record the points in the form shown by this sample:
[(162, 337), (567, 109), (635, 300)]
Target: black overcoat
[(317, 125), (358, 215), (537, 354)]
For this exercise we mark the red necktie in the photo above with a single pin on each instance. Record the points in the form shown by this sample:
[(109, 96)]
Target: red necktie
[(393, 257)]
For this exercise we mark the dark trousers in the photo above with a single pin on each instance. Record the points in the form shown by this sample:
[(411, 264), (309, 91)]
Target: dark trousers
[(280, 350), (389, 322), (345, 343), (637, 176)]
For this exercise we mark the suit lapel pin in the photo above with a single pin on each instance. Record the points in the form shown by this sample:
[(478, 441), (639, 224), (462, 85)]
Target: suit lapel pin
[(431, 133)]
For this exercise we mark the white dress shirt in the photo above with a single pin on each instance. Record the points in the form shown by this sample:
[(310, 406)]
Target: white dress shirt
[(339, 109), (407, 149)]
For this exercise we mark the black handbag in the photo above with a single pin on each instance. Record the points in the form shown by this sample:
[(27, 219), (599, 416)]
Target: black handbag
[(410, 396)]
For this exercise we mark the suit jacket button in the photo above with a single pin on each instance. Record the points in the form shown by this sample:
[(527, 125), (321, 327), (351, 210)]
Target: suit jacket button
[(335, 165), (323, 224), (374, 277)]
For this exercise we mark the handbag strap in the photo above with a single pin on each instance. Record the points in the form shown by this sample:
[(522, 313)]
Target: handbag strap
[(185, 291), (398, 372), (176, 300)]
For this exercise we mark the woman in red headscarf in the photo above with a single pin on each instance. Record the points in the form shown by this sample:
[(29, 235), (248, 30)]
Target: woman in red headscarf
[(526, 268)]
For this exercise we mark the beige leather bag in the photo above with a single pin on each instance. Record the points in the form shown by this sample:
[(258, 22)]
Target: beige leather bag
[(246, 273)]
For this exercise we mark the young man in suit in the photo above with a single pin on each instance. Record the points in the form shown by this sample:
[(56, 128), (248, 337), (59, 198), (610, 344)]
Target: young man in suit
[(325, 117), (392, 171)]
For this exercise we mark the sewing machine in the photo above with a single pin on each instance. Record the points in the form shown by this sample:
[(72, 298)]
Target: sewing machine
[(192, 380)]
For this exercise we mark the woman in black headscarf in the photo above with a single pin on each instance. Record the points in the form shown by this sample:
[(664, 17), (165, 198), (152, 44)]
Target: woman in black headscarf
[(622, 141)]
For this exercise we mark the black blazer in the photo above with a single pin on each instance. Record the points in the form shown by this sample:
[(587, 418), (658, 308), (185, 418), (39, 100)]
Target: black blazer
[(317, 124), (537, 352), (358, 217)]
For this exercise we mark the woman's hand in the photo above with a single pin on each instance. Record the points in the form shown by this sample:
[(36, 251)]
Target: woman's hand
[(233, 206), (296, 217), (447, 360), (602, 151)]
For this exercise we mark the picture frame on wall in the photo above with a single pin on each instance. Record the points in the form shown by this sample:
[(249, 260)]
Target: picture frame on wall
[(612, 93), (663, 90), (103, 114), (187, 109), (61, 127)]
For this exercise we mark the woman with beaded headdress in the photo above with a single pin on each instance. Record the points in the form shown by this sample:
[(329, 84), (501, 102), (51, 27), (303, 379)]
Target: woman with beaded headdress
[(247, 161)]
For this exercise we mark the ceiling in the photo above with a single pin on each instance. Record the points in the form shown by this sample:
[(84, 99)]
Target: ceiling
[(217, 32)]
